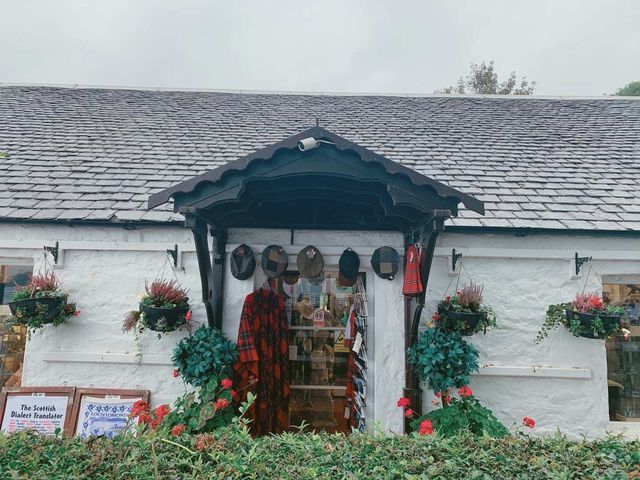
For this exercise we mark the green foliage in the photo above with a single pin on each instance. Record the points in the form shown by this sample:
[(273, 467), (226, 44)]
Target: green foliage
[(198, 410), (557, 315), (443, 359), (232, 454), (631, 89), (463, 414), (483, 80), (204, 355), (34, 321)]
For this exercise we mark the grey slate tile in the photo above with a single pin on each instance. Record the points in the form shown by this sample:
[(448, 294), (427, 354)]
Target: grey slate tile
[(560, 159)]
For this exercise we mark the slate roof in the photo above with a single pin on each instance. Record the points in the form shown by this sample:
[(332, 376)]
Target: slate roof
[(91, 154)]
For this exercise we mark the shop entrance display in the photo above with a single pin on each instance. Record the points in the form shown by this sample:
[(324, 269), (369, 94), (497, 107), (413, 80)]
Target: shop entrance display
[(320, 341)]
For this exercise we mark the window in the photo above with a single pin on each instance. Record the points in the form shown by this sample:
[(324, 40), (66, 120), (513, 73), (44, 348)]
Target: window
[(12, 337), (623, 356)]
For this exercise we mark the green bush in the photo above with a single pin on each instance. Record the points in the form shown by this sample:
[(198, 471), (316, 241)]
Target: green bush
[(204, 355), (460, 414), (443, 359), (232, 454)]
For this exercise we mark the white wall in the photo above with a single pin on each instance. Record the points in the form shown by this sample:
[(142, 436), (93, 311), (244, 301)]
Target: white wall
[(92, 351), (521, 277)]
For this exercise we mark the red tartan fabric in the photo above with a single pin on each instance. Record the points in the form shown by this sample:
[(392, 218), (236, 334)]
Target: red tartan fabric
[(412, 282), (263, 343)]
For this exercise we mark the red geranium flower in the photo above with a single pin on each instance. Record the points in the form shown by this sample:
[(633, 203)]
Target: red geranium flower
[(234, 394), (528, 422), (76, 313), (144, 418), (175, 373), (403, 402), (446, 400), (221, 403), (435, 317), (408, 413), (162, 410), (426, 428), (178, 430), (139, 408), (188, 316), (465, 391), (226, 383), (438, 394)]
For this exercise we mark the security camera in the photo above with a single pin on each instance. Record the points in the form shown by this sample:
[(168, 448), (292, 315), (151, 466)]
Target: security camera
[(308, 143)]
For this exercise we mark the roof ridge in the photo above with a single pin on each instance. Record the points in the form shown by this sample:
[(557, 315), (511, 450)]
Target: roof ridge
[(314, 94)]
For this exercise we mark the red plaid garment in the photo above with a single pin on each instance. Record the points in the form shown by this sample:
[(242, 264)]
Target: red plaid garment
[(412, 282), (263, 344)]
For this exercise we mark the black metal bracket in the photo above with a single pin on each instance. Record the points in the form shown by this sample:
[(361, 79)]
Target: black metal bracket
[(454, 259), (54, 251), (581, 261), (174, 254)]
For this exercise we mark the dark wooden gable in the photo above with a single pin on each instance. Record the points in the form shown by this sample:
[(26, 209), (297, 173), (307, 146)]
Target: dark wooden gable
[(337, 185)]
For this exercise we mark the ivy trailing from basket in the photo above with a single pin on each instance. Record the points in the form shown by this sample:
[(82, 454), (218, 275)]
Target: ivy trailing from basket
[(465, 312), (163, 308), (42, 301), (587, 316), (205, 354)]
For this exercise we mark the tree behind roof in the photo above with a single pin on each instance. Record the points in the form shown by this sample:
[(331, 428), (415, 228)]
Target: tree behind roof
[(631, 89), (483, 80)]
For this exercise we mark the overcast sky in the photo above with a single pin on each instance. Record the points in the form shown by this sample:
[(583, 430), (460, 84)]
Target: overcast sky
[(570, 47)]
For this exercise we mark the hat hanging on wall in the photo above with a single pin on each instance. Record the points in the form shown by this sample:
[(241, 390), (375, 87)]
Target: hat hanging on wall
[(348, 265), (385, 262), (310, 262), (243, 263), (290, 278), (274, 261)]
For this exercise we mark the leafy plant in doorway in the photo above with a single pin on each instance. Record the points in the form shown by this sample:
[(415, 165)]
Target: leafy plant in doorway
[(443, 360), (163, 308), (42, 301), (465, 312), (587, 316), (204, 355)]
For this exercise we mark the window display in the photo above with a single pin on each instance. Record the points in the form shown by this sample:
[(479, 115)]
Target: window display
[(318, 310), (623, 354)]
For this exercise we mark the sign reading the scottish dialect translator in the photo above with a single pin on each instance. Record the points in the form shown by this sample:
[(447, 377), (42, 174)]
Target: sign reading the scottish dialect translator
[(46, 414)]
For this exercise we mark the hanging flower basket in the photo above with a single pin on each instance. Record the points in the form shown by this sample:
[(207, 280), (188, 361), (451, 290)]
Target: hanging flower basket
[(465, 312), (587, 316), (41, 302), (48, 307), (466, 323), (160, 319), (164, 308), (592, 325)]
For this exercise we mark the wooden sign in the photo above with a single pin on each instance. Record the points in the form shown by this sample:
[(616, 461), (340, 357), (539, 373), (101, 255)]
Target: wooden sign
[(103, 411), (47, 410)]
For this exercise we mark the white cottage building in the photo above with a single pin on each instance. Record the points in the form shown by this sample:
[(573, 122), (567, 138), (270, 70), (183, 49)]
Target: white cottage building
[(524, 188)]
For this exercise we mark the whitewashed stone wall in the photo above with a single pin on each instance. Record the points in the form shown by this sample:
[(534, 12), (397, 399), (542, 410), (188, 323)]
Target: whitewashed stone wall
[(106, 282)]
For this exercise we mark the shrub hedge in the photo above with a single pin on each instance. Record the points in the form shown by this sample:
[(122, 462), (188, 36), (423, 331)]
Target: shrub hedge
[(233, 454)]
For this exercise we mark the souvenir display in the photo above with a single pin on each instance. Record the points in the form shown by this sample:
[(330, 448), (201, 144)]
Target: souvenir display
[(356, 341), (412, 282), (274, 261), (349, 265), (243, 263), (310, 262), (46, 410), (385, 262)]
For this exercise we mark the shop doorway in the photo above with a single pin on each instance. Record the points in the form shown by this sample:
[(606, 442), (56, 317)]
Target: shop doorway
[(321, 353)]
